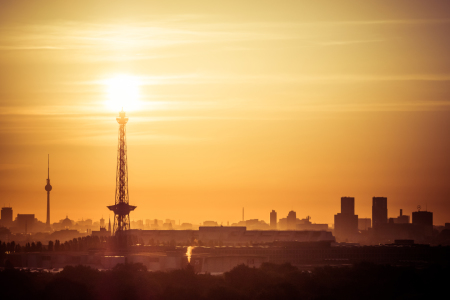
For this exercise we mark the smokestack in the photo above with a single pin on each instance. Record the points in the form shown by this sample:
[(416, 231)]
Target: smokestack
[(401, 212), (243, 214)]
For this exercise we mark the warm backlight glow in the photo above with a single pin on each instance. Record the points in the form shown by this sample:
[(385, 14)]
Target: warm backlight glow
[(123, 92)]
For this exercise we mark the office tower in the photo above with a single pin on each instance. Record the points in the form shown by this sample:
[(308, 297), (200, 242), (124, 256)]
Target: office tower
[(291, 220), (423, 221), (7, 216), (346, 222), (379, 211), (348, 205), (424, 218), (273, 219)]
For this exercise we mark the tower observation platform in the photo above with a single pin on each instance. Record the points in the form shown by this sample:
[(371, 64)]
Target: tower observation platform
[(121, 208)]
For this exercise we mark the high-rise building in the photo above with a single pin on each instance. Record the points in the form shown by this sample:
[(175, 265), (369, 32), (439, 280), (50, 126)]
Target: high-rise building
[(379, 211), (348, 205), (346, 222), (7, 216), (424, 218), (291, 220), (423, 221), (273, 219)]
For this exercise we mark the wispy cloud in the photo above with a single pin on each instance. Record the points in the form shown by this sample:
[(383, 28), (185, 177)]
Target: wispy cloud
[(204, 78), (111, 41), (349, 42), (157, 34), (263, 79), (141, 40), (391, 21)]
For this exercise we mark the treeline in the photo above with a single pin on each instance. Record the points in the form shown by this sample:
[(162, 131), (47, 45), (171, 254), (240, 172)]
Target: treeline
[(89, 242), (76, 244), (132, 281)]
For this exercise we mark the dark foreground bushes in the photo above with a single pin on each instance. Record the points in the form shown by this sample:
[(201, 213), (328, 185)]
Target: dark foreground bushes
[(132, 281)]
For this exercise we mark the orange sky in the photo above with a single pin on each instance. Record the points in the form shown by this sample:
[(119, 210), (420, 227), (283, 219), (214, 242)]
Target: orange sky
[(266, 105)]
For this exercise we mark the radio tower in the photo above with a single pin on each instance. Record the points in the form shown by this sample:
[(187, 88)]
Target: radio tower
[(121, 208), (48, 188)]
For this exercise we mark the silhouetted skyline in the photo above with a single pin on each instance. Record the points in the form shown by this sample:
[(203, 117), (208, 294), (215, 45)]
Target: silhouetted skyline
[(285, 106)]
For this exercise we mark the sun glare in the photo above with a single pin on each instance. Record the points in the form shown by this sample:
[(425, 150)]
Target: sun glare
[(123, 92)]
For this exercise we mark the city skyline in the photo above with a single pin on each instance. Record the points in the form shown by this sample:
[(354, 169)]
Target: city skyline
[(284, 108), (269, 222)]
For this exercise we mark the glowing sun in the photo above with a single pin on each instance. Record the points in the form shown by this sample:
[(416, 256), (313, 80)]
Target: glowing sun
[(123, 92)]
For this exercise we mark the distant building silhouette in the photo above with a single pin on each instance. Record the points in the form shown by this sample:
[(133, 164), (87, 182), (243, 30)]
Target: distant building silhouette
[(7, 217), (87, 222), (273, 219), (154, 225), (64, 224), (291, 220), (25, 222), (210, 223), (233, 235), (348, 205), (346, 222), (399, 228), (379, 211), (306, 225), (424, 218), (101, 232), (185, 226), (167, 226), (401, 219), (252, 224)]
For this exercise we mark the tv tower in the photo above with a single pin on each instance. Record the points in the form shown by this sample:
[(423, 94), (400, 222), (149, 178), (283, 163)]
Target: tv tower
[(48, 188), (121, 208)]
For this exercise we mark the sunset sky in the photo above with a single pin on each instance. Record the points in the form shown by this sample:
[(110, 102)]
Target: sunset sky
[(285, 105)]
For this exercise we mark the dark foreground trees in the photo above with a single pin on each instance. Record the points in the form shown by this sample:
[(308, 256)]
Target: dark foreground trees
[(132, 281)]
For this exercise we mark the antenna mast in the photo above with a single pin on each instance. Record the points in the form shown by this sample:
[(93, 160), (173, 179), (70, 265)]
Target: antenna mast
[(48, 188), (121, 208)]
